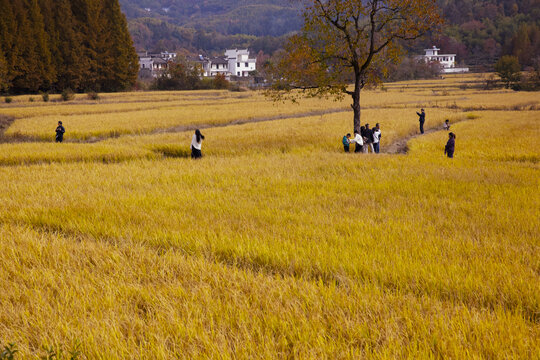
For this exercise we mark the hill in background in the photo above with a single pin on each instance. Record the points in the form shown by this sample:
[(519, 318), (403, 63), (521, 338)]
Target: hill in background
[(479, 32), (230, 17)]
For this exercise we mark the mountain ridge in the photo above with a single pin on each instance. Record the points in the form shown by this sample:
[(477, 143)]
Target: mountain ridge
[(479, 32)]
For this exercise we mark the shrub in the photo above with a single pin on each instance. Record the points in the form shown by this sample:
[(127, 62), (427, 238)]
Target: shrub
[(92, 95), (45, 97), (8, 100), (235, 87), (68, 94), (31, 99), (508, 69), (220, 82)]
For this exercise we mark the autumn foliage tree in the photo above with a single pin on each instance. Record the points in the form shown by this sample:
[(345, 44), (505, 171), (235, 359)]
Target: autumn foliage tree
[(346, 42), (509, 69)]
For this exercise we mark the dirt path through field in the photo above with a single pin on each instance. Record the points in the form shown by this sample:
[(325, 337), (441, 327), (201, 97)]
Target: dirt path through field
[(5, 123), (183, 128), (401, 146)]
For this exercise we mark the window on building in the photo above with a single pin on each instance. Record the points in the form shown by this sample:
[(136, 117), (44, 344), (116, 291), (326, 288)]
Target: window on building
[(238, 73), (247, 64), (237, 64)]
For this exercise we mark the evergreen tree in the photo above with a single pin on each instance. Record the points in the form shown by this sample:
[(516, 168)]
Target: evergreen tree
[(77, 44), (68, 48), (86, 14), (118, 65), (4, 78), (7, 42), (23, 59), (43, 68)]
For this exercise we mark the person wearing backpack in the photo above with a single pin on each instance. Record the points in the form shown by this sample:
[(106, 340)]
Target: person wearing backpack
[(346, 142)]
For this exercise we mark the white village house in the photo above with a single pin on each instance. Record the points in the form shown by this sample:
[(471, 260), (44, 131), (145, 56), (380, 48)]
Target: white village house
[(234, 63), (152, 65), (447, 61), (240, 64)]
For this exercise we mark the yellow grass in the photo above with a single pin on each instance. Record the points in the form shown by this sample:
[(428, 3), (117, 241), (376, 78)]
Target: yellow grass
[(276, 244), (144, 121), (34, 153), (292, 134)]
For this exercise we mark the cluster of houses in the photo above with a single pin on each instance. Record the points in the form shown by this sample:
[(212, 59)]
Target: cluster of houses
[(238, 63), (235, 63), (152, 65)]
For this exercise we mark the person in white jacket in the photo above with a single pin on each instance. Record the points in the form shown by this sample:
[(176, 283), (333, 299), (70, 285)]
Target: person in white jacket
[(377, 138), (196, 144), (358, 141)]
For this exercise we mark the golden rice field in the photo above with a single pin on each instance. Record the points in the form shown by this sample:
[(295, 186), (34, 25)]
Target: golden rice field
[(276, 244)]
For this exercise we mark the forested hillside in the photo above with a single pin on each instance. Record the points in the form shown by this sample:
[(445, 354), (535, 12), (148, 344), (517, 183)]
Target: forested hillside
[(54, 45), (252, 17), (481, 31), (478, 31)]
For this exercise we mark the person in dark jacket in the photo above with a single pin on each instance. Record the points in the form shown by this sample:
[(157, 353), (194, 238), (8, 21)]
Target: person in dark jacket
[(421, 119), (60, 132), (368, 139), (346, 142), (450, 145)]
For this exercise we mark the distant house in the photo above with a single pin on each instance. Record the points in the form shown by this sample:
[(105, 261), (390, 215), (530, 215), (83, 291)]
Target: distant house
[(236, 63), (152, 65), (218, 66), (240, 64), (447, 61)]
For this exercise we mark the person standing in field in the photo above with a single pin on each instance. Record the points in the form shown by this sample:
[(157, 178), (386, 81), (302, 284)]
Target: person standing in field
[(358, 141), (421, 119), (377, 138), (450, 145), (196, 143), (60, 130), (368, 139), (346, 142)]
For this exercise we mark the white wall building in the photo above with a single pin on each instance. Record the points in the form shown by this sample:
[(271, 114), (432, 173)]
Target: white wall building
[(218, 66), (447, 61), (240, 64), (152, 65), (234, 63)]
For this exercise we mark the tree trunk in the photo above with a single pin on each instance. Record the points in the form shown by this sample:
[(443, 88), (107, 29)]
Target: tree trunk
[(356, 103)]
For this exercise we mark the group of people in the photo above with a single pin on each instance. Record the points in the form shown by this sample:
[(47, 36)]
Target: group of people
[(369, 139), (366, 139), (450, 144)]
